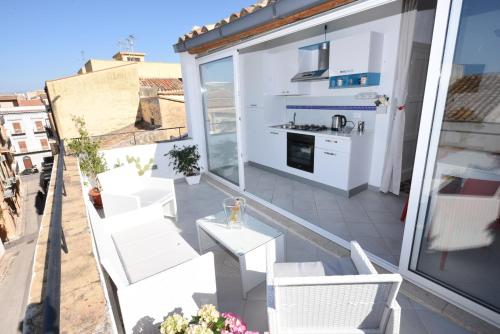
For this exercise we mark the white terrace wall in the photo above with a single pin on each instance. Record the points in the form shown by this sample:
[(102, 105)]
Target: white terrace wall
[(144, 153)]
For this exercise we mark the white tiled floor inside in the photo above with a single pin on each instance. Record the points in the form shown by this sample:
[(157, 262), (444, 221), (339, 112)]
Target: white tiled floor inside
[(201, 200), (370, 217)]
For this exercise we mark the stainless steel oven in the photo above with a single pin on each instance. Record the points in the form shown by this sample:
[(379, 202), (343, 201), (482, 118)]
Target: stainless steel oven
[(300, 151)]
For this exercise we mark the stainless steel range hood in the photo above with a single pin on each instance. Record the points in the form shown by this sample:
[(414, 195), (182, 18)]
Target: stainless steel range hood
[(320, 64)]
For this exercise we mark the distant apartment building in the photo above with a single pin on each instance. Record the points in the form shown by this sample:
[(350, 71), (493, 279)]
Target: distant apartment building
[(117, 95), (9, 186), (25, 128)]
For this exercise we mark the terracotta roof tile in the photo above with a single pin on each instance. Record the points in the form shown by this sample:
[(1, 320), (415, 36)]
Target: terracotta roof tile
[(474, 98), (170, 86), (195, 31), (27, 103)]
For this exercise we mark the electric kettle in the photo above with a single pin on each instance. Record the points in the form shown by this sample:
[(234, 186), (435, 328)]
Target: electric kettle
[(338, 122)]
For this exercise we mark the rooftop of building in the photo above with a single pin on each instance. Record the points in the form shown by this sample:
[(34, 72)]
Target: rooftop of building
[(168, 86), (121, 54), (23, 109), (84, 302)]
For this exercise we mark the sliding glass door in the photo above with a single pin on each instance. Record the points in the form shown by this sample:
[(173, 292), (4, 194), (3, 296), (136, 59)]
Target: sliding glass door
[(218, 90), (457, 233)]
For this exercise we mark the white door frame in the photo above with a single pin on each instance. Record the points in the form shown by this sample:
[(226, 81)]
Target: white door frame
[(233, 53), (438, 74)]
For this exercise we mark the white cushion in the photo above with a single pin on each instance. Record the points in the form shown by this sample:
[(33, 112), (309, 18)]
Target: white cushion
[(151, 248), (299, 269)]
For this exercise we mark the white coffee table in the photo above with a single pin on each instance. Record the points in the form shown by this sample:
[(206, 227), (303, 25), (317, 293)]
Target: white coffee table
[(253, 244)]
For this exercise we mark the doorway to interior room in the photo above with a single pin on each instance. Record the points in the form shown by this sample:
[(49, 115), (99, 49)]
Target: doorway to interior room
[(28, 164)]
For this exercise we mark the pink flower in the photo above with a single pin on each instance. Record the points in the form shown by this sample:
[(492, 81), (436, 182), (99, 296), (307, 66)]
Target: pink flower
[(250, 332), (234, 324)]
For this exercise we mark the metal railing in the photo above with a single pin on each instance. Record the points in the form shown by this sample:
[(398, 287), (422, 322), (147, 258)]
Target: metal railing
[(112, 140), (52, 293)]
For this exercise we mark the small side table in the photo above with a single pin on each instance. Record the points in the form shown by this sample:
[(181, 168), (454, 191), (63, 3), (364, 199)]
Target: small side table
[(254, 244)]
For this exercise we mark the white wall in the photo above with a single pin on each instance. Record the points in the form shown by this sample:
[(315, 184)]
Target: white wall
[(145, 152)]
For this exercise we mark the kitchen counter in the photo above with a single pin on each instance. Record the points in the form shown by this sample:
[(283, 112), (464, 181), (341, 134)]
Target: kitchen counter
[(353, 134)]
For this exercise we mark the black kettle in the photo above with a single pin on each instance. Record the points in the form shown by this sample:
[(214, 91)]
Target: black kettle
[(338, 122)]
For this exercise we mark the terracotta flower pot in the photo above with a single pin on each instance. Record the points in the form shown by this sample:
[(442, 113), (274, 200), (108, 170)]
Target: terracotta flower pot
[(95, 198)]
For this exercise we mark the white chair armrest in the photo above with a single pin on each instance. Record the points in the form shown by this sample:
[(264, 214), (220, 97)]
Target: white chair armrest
[(394, 322), (361, 261), (337, 280)]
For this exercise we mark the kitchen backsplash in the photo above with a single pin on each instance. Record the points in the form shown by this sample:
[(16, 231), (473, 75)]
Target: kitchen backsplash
[(319, 110)]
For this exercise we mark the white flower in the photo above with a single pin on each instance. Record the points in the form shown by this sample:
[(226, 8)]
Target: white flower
[(208, 313), (174, 324), (199, 329)]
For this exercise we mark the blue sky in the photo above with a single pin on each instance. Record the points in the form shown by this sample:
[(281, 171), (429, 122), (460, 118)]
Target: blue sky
[(43, 40)]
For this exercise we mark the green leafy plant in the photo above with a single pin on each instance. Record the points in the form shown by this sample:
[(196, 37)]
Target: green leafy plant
[(87, 149), (185, 160), (140, 168)]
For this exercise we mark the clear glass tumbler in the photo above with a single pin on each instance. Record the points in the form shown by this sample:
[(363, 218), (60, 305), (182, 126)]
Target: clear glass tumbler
[(234, 208)]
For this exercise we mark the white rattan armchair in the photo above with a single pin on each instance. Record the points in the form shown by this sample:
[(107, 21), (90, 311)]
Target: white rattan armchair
[(124, 190), (315, 303), (154, 269)]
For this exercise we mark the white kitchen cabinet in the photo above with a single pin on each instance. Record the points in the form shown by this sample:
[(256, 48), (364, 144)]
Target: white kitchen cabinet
[(252, 80), (274, 149), (267, 147), (333, 143), (280, 67), (360, 53), (331, 168)]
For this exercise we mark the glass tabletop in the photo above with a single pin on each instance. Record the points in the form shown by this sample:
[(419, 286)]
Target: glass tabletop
[(239, 241)]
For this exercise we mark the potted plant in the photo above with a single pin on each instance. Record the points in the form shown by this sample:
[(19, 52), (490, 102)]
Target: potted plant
[(91, 161), (185, 161)]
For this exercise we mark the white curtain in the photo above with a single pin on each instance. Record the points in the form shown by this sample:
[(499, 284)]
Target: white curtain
[(391, 177)]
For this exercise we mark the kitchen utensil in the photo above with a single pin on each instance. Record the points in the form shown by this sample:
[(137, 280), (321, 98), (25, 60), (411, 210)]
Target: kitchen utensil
[(361, 126), (338, 122)]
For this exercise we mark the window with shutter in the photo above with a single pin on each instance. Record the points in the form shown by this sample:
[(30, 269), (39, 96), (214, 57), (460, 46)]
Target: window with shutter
[(22, 146), (44, 143), (39, 126), (17, 127)]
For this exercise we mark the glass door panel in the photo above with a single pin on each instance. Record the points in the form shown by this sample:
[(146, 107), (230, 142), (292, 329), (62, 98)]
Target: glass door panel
[(457, 236), (217, 82)]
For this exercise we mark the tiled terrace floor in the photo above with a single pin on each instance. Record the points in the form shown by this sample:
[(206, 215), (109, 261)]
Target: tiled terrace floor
[(370, 217), (204, 199)]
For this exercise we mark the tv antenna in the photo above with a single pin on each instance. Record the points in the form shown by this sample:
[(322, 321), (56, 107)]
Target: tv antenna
[(127, 44), (130, 41)]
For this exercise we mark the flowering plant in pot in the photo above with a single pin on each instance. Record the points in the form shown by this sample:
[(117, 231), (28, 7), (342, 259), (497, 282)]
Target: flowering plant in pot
[(185, 161), (207, 321), (91, 161)]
